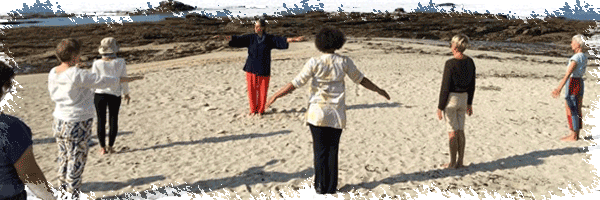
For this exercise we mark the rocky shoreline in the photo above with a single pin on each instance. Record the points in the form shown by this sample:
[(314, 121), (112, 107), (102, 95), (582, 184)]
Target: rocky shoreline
[(193, 34)]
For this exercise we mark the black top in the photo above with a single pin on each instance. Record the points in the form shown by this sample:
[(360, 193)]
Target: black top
[(459, 76), (15, 138), (259, 51)]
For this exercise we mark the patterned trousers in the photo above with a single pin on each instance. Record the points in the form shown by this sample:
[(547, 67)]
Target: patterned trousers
[(72, 139)]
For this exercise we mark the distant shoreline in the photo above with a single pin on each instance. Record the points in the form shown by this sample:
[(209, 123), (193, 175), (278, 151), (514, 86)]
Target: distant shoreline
[(140, 13), (193, 32)]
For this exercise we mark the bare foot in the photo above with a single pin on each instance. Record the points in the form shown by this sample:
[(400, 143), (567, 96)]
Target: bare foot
[(573, 136), (460, 165), (449, 166), (251, 114), (110, 150), (102, 151), (569, 138)]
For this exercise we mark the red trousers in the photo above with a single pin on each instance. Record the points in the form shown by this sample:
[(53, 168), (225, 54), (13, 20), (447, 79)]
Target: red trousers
[(258, 87)]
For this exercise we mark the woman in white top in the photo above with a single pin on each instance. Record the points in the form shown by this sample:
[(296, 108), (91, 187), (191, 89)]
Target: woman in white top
[(326, 114), (109, 97), (71, 88)]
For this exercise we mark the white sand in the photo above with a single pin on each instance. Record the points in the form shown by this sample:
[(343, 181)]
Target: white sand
[(185, 127)]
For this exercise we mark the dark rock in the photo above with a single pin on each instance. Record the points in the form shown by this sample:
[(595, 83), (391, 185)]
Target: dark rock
[(197, 16), (26, 44), (174, 6), (164, 7)]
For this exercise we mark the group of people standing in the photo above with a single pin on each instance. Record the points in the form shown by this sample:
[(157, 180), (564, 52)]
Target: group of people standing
[(81, 95)]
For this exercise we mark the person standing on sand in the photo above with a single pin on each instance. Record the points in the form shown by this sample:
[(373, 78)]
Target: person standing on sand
[(258, 63), (573, 83), (17, 162), (109, 97), (326, 114), (456, 97), (71, 88)]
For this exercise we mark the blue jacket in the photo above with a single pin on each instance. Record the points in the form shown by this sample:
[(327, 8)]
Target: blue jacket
[(259, 51)]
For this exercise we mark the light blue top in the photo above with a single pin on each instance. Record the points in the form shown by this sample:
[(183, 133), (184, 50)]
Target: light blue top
[(581, 60)]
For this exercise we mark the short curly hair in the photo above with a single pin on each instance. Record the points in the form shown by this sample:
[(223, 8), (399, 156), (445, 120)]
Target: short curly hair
[(68, 49), (7, 74), (329, 38)]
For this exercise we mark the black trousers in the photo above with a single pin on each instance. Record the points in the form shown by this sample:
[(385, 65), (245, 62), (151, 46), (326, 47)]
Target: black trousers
[(102, 101), (326, 143)]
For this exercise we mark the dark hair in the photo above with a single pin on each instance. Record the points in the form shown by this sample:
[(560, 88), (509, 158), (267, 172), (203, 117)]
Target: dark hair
[(330, 38), (262, 22), (7, 74), (67, 49)]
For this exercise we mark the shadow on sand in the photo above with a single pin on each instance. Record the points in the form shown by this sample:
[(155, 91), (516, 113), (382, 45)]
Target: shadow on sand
[(530, 159), (92, 142), (251, 176), (351, 107), (215, 140), (111, 186)]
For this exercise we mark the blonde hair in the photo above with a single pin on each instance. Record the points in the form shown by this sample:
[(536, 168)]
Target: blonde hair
[(461, 41), (580, 39)]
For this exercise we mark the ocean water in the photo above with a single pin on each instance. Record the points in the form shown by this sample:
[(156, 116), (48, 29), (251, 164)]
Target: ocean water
[(107, 11), (258, 7)]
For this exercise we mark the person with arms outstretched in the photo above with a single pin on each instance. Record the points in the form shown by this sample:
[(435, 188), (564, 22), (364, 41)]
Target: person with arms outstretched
[(326, 113), (71, 89), (258, 63)]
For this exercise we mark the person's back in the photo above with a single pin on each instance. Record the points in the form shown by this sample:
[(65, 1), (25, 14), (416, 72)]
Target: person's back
[(327, 89), (326, 114), (463, 74), (15, 138), (111, 67), (71, 90), (328, 79)]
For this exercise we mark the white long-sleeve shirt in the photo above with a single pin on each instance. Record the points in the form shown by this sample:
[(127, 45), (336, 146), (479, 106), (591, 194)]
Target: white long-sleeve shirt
[(72, 91), (115, 67)]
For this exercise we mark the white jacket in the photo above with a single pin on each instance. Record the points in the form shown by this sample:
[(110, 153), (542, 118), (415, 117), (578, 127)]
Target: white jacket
[(72, 91), (115, 67)]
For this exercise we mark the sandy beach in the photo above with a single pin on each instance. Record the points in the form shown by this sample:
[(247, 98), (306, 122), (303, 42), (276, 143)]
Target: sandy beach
[(185, 126)]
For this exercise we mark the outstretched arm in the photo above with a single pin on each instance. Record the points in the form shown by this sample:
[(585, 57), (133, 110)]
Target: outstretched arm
[(282, 92), (371, 86), (127, 79), (296, 39), (224, 37)]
